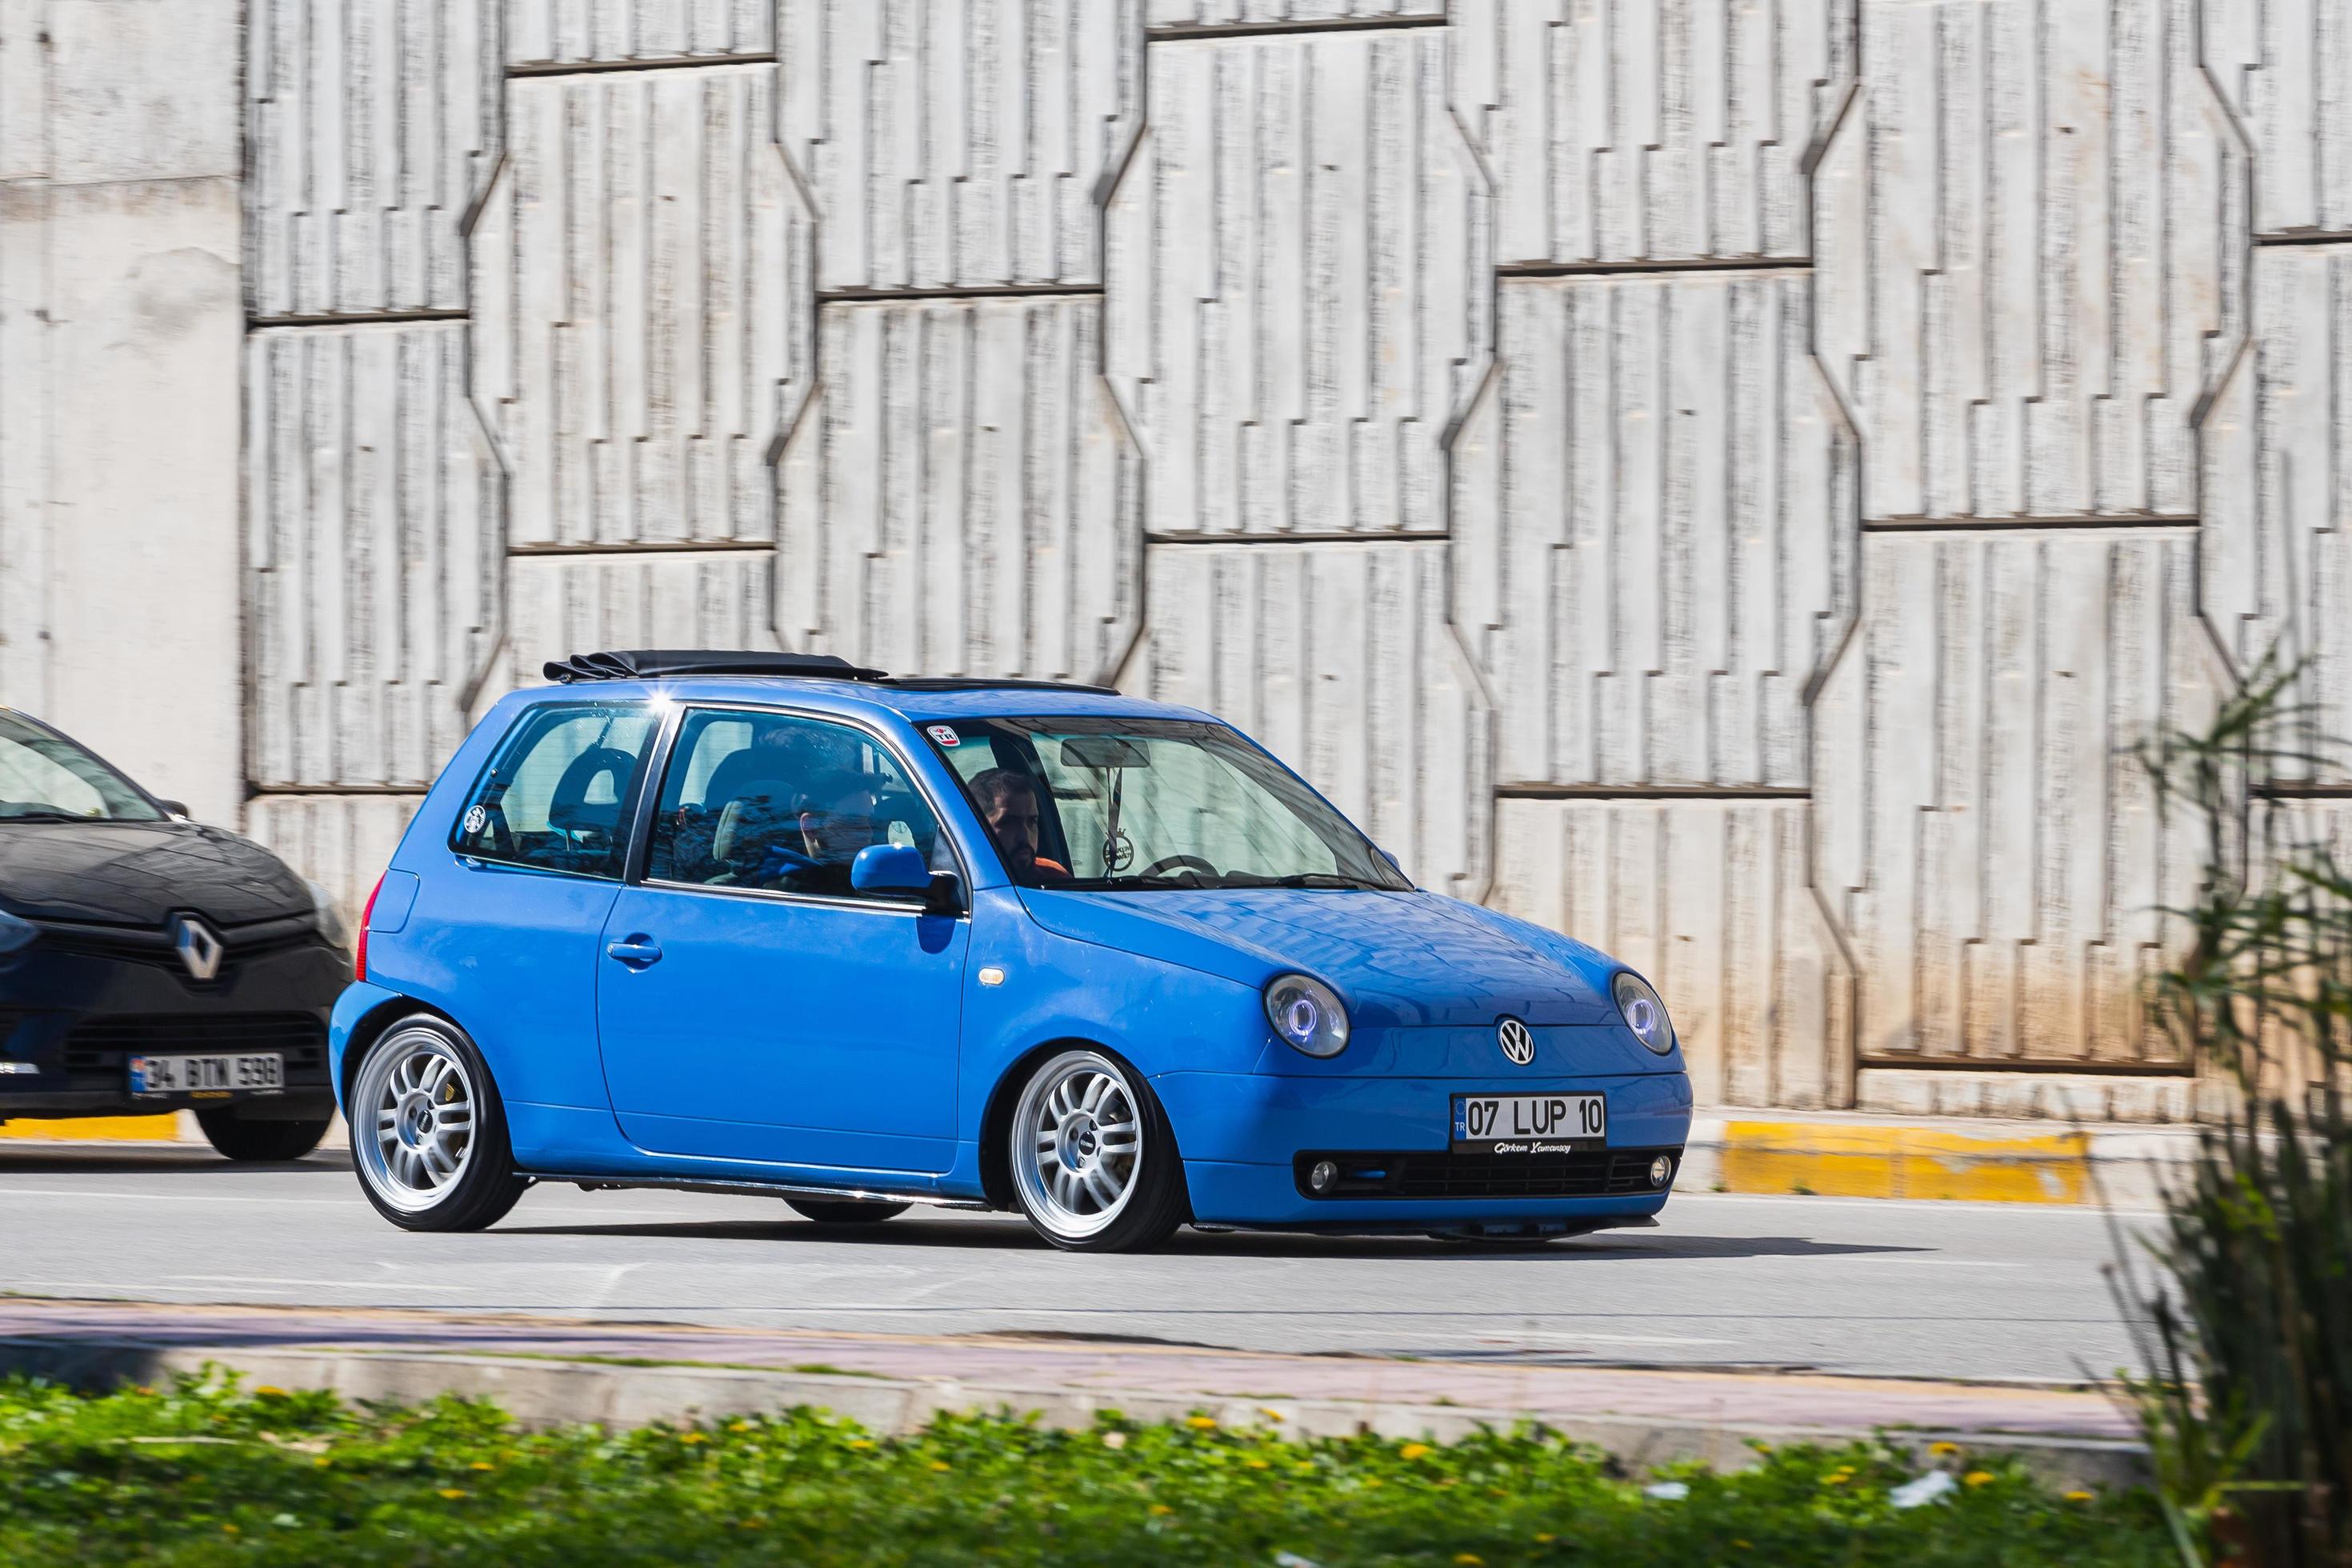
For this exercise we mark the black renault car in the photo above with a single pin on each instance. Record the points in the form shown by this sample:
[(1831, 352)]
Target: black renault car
[(149, 963)]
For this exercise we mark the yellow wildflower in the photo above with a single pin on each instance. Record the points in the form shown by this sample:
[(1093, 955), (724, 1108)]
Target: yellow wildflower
[(1940, 1449), (1161, 1509), (739, 1427), (1256, 1464), (1270, 1413), (1202, 1423), (942, 1466), (228, 1530), (1978, 1477), (1470, 1559), (1413, 1451), (452, 1493), (692, 1437), (1545, 1538), (2078, 1497), (861, 1442), (270, 1391)]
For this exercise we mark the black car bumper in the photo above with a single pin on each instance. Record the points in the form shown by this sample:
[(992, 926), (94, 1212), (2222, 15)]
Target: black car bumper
[(81, 1001)]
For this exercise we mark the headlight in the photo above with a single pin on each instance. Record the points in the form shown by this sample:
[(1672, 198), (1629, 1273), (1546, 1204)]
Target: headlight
[(1644, 1014), (1307, 1015), (16, 934), (330, 919)]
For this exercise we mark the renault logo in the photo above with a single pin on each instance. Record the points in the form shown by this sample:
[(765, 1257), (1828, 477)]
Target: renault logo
[(198, 948), (1517, 1042)]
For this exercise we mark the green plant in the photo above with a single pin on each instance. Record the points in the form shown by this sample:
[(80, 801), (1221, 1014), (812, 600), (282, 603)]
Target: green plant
[(207, 1472), (2248, 1324)]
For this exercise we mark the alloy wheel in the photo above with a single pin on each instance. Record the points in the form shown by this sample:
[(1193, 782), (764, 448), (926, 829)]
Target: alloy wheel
[(415, 1104), (1077, 1144)]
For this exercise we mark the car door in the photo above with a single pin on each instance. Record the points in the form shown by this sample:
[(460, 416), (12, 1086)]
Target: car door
[(751, 1004)]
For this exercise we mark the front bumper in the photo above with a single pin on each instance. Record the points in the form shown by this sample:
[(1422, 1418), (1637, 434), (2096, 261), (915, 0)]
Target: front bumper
[(80, 1002), (1241, 1135)]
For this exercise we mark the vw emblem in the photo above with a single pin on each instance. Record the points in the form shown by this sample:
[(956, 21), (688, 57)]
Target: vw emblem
[(198, 948), (1518, 1043)]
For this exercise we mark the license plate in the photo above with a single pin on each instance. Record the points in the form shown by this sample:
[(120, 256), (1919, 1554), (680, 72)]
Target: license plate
[(1528, 1123), (255, 1074)]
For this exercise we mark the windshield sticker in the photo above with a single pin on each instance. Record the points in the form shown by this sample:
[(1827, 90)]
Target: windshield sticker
[(476, 819), (945, 734)]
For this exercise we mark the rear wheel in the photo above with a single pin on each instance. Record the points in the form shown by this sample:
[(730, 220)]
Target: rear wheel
[(240, 1139), (844, 1211), (1094, 1165), (429, 1133)]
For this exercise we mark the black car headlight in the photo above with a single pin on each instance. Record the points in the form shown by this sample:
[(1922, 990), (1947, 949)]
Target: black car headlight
[(16, 934), (329, 918), (1643, 1013), (1307, 1015)]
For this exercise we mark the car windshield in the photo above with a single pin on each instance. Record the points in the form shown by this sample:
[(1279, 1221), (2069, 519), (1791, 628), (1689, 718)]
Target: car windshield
[(44, 777), (1136, 804)]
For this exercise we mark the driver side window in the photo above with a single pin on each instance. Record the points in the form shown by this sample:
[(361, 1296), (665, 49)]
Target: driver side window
[(781, 804), (557, 796)]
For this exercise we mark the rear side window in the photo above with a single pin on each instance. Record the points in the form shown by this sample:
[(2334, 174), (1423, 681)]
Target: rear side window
[(557, 794)]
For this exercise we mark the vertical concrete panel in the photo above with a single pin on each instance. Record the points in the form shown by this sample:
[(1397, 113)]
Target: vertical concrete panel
[(1714, 893), (958, 143), (339, 841), (373, 555), (1655, 531), (564, 605), (962, 499), (2002, 898), (371, 127), (639, 345), (2278, 493), (1206, 15), (1650, 130), (1315, 310), (542, 35), (1337, 659), (2286, 66), (2025, 275)]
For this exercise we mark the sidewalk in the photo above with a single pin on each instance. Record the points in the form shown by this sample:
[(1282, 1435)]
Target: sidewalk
[(553, 1369)]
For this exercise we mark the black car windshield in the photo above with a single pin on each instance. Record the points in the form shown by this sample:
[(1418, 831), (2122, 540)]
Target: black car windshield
[(1136, 804), (44, 777)]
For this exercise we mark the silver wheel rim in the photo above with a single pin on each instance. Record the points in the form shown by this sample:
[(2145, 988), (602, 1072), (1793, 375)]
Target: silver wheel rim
[(1077, 1144), (414, 1105)]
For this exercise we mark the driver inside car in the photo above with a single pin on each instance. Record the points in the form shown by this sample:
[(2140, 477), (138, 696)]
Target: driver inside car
[(1008, 803)]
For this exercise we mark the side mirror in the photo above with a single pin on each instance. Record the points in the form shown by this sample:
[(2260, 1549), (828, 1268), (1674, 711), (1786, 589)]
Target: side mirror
[(889, 869), (900, 869), (173, 808), (1393, 861)]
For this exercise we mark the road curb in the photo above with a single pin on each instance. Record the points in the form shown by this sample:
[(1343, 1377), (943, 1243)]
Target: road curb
[(1938, 1158), (554, 1393)]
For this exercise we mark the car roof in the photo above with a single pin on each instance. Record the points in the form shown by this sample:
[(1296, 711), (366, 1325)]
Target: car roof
[(835, 686)]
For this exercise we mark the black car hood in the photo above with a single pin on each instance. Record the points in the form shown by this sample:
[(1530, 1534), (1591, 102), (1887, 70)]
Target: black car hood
[(137, 873)]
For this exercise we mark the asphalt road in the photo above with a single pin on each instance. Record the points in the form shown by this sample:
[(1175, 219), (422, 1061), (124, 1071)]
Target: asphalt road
[(1961, 1290)]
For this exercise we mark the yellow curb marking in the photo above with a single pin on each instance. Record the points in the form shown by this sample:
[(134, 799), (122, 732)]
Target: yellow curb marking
[(163, 1128), (1849, 1162)]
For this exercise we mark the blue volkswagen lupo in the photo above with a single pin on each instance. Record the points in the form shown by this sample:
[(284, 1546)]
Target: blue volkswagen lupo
[(772, 924)]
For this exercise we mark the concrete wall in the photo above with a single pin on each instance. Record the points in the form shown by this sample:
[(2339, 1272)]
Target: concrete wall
[(1722, 477)]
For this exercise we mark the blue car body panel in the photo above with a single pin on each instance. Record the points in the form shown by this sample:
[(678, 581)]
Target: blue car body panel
[(796, 1041)]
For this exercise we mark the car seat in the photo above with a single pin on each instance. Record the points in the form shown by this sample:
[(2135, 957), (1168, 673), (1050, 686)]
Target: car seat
[(588, 816)]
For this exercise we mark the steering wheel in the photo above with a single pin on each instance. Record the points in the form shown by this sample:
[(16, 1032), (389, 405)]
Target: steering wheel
[(1172, 862)]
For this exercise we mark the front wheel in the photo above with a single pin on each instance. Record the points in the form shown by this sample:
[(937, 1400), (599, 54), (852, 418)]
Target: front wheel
[(1094, 1166), (241, 1140), (429, 1133)]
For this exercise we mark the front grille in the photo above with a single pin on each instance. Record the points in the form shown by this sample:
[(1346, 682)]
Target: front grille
[(1425, 1173), (98, 1049), (146, 944)]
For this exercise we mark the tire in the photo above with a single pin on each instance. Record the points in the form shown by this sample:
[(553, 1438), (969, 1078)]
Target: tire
[(243, 1141), (1094, 1164), (846, 1211), (429, 1133)]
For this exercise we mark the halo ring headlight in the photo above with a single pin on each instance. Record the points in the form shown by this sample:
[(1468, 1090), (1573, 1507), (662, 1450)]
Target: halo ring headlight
[(1307, 1015), (1644, 1012)]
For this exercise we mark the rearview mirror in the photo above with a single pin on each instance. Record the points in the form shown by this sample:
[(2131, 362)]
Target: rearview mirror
[(1101, 751)]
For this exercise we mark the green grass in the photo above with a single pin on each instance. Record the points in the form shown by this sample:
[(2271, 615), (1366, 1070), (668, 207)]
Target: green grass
[(212, 1473)]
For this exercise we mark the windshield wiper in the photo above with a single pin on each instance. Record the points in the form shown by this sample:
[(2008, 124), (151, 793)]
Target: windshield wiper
[(48, 816), (1298, 879), (1115, 884)]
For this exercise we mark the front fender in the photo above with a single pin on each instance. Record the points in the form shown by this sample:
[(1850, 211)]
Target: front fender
[(1159, 1016)]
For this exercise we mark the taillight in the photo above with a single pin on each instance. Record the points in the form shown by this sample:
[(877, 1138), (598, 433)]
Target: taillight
[(359, 948)]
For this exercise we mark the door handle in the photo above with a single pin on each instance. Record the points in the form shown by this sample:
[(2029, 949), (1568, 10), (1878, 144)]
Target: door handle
[(637, 951)]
